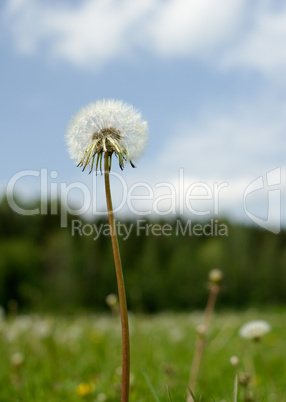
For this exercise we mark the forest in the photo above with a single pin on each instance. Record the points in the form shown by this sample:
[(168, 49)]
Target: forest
[(48, 268)]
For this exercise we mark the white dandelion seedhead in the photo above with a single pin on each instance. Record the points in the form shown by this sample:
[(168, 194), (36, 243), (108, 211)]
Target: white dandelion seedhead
[(234, 361), (254, 330), (106, 126), (111, 300)]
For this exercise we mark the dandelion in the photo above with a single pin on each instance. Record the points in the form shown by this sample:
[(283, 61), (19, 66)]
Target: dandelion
[(110, 127), (215, 276), (17, 359), (106, 127), (85, 388), (254, 330), (111, 300), (244, 379), (234, 361), (201, 330), (101, 397)]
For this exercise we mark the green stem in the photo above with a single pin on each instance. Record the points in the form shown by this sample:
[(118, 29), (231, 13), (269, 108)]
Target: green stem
[(121, 288)]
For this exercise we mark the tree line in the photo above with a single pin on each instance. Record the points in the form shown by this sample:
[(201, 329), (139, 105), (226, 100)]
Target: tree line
[(45, 267)]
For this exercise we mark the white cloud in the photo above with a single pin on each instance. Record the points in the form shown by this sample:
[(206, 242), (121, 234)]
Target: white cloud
[(262, 45), (242, 144), (183, 27), (95, 32), (90, 34)]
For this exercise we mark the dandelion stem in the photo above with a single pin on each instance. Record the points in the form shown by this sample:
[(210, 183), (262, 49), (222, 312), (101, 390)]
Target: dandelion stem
[(121, 288), (200, 345)]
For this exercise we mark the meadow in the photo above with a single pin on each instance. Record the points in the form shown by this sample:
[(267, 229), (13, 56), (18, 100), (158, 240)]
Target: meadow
[(78, 358), (60, 342)]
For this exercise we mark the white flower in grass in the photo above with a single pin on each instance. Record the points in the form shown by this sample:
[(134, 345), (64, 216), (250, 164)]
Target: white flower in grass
[(106, 126), (254, 330)]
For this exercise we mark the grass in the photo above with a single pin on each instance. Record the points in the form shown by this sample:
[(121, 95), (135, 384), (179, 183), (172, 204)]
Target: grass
[(49, 358)]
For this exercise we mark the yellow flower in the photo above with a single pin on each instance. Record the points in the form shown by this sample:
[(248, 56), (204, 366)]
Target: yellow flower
[(85, 388)]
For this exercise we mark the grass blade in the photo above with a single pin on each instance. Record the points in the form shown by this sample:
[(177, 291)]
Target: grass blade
[(147, 379), (193, 395), (169, 395)]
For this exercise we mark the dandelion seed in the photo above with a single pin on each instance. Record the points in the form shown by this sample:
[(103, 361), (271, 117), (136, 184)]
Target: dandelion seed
[(254, 330), (106, 126)]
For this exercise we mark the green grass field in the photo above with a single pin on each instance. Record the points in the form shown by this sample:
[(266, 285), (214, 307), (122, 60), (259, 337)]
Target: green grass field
[(49, 358)]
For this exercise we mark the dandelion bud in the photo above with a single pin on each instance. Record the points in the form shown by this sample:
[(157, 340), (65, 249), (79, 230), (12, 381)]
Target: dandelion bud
[(17, 360), (234, 361), (243, 379), (215, 276), (201, 330), (111, 300)]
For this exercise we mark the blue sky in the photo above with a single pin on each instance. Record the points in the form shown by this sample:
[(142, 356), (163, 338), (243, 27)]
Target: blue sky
[(208, 76)]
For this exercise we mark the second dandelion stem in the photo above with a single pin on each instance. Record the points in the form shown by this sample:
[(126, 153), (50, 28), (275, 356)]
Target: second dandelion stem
[(121, 287), (214, 289)]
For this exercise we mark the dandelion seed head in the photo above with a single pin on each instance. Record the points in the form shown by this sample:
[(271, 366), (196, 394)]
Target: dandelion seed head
[(17, 359), (201, 329), (111, 300), (234, 361), (106, 126), (101, 397), (254, 329)]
